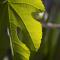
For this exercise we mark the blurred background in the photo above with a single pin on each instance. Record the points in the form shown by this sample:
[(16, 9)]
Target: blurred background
[(50, 46)]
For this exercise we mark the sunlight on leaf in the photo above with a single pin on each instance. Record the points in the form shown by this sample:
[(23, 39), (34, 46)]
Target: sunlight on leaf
[(25, 31), (34, 27)]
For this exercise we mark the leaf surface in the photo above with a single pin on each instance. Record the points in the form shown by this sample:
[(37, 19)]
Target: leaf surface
[(25, 31)]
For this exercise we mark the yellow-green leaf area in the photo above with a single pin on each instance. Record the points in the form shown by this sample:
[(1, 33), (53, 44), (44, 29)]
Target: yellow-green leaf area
[(36, 3), (18, 46), (34, 27)]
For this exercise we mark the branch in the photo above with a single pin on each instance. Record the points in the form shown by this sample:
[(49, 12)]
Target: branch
[(50, 25)]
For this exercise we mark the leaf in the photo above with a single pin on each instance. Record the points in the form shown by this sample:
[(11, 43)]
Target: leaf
[(29, 22), (25, 31), (35, 3), (18, 47)]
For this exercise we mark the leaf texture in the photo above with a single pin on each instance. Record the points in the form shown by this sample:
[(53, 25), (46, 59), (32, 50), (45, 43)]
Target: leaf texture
[(24, 31)]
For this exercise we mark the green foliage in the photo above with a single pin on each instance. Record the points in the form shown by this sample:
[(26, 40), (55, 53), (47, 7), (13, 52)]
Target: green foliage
[(24, 31)]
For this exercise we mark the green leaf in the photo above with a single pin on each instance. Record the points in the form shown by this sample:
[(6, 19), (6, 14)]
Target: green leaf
[(35, 3), (18, 47), (25, 10), (25, 31)]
